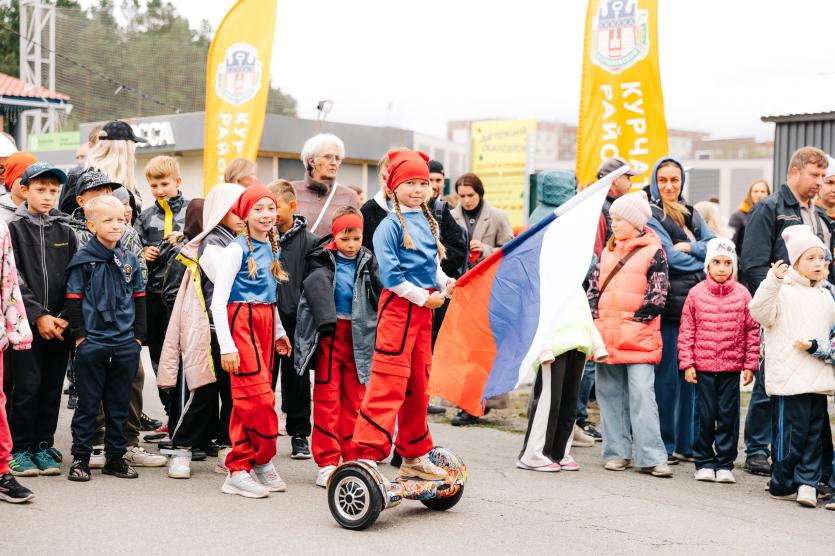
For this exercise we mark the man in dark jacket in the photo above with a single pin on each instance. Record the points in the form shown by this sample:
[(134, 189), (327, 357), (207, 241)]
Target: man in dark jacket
[(793, 203), (618, 188), (295, 243)]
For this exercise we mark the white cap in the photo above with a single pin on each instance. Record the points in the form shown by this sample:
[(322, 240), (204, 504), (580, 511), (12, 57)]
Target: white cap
[(7, 148), (830, 170)]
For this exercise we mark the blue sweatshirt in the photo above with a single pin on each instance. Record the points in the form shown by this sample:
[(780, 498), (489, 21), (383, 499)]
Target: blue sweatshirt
[(398, 264), (262, 288), (343, 293)]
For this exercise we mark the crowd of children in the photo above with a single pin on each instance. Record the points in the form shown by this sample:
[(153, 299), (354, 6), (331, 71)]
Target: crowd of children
[(234, 294)]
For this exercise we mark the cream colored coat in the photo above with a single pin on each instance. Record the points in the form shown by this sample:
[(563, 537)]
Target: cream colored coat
[(791, 309)]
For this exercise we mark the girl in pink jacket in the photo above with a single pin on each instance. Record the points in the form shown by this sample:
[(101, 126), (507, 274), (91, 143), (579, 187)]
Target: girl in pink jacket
[(717, 340)]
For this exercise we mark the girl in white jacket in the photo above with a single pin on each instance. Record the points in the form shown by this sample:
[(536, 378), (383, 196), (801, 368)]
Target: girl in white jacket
[(792, 303)]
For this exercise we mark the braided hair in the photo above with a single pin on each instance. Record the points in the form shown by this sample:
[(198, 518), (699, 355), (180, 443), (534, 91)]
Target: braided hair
[(407, 239), (275, 266), (433, 225)]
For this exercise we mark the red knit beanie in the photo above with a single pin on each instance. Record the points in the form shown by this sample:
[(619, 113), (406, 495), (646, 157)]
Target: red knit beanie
[(405, 166), (250, 197)]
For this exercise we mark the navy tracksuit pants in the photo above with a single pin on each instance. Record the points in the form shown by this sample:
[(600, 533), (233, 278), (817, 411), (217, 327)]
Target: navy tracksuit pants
[(717, 425), (797, 422)]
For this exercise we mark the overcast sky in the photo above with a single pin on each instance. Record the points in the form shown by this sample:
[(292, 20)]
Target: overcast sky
[(419, 64)]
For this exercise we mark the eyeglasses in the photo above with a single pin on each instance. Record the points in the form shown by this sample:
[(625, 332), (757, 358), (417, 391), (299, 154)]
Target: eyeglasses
[(331, 158)]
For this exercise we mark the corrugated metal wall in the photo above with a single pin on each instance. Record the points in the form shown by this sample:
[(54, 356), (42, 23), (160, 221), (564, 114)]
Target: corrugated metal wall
[(790, 136)]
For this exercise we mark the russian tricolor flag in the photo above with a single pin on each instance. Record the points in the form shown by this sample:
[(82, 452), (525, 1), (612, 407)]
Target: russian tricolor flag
[(504, 310)]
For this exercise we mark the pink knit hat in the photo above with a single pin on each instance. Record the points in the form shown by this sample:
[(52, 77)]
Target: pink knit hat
[(799, 239), (632, 207)]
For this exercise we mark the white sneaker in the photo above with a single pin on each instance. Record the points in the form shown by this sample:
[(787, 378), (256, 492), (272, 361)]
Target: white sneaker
[(140, 457), (324, 474), (581, 439), (267, 475), (220, 466), (97, 459), (242, 484), (179, 467), (807, 496), (725, 476), (705, 474)]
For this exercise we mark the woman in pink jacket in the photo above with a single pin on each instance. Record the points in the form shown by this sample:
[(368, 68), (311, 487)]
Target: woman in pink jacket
[(718, 339)]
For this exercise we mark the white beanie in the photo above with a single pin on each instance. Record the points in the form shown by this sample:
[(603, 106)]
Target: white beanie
[(830, 170), (799, 239), (632, 207), (720, 247)]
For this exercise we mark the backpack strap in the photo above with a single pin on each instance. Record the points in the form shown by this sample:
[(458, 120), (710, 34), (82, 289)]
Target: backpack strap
[(618, 267)]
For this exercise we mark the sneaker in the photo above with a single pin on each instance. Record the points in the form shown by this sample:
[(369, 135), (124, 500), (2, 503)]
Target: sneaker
[(213, 449), (435, 410), (569, 464), (787, 497), (617, 465), (97, 459), (672, 460), (590, 430), (324, 474), (179, 466), (43, 459), (159, 433), (79, 471), (464, 419), (72, 401), (758, 465), (220, 466), (662, 470), (21, 465), (242, 484), (56, 454), (198, 455), (301, 448), (421, 468), (148, 424), (824, 490), (682, 457), (581, 439), (807, 496), (119, 468), (725, 476), (705, 474), (552, 467), (267, 476), (140, 457), (830, 505), (12, 491), (396, 460)]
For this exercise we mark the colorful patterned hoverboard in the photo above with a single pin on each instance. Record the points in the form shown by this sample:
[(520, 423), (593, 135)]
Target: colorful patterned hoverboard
[(357, 492)]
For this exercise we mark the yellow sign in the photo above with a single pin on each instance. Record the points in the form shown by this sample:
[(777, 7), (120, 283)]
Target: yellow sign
[(237, 83), (499, 159), (621, 105)]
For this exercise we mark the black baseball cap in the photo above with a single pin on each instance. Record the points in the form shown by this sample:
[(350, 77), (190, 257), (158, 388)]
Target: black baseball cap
[(611, 164), (117, 130), (436, 167), (92, 179), (42, 169)]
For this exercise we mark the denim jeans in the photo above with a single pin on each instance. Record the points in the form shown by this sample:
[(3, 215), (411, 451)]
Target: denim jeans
[(758, 420), (585, 391), (629, 414), (668, 385)]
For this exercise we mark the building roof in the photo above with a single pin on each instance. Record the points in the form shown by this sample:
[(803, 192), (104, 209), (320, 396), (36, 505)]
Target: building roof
[(813, 101), (14, 87)]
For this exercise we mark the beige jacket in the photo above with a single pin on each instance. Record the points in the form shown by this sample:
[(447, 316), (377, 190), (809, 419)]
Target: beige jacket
[(791, 309), (493, 228)]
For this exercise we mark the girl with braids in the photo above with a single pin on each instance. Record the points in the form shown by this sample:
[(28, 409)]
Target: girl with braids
[(408, 250), (249, 332)]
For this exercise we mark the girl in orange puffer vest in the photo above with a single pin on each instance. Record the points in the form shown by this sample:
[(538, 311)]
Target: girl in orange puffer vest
[(627, 293)]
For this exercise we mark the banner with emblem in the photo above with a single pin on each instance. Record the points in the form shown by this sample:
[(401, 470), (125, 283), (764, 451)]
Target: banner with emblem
[(621, 105), (237, 83)]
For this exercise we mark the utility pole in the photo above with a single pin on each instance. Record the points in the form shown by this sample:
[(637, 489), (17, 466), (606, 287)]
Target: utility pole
[(37, 64)]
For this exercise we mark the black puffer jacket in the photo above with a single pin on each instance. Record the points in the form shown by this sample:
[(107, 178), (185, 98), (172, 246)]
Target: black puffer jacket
[(295, 245), (150, 227)]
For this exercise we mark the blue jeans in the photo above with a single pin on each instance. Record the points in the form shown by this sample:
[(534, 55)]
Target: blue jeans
[(758, 420), (629, 414), (668, 384), (585, 391)]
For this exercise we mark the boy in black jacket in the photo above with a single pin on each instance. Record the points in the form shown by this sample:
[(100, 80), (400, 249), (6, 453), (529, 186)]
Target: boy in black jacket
[(106, 313), (43, 244), (295, 243)]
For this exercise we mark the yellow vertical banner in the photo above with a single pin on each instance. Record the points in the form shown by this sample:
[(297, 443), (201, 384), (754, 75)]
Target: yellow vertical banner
[(237, 83), (499, 159), (621, 105)]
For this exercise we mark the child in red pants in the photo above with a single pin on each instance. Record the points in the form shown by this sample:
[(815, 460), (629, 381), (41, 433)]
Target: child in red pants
[(14, 331), (408, 250), (335, 330), (249, 333)]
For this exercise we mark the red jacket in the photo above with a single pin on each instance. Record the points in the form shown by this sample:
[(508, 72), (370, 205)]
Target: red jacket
[(717, 331)]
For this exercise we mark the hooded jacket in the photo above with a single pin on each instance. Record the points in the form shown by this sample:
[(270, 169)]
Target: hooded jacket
[(43, 247), (717, 330), (14, 328), (317, 309), (7, 208), (151, 229), (686, 269), (789, 309), (553, 189), (295, 245)]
